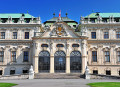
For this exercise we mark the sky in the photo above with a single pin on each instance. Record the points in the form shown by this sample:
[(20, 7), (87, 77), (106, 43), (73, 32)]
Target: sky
[(46, 8)]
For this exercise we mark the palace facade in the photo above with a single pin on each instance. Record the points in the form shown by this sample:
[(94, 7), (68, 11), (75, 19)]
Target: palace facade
[(56, 47)]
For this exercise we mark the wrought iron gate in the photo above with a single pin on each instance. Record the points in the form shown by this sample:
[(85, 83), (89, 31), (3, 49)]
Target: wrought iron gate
[(44, 61), (75, 61), (60, 61)]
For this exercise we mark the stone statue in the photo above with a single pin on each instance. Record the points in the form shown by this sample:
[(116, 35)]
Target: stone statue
[(87, 75), (31, 72)]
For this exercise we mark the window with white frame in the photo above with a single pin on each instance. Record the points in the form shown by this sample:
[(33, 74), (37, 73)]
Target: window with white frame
[(107, 56), (14, 35), (13, 56), (118, 35), (118, 56), (94, 56), (26, 35), (26, 56), (1, 56), (2, 35), (93, 35), (106, 35)]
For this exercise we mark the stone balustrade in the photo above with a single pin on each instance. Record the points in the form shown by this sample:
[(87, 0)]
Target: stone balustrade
[(21, 20)]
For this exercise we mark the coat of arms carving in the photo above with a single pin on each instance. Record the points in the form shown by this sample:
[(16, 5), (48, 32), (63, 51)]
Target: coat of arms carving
[(58, 31)]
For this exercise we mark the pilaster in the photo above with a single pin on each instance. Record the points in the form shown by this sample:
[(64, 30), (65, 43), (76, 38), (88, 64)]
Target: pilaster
[(84, 55), (67, 64), (52, 64)]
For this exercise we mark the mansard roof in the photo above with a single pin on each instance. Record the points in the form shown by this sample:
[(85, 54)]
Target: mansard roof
[(64, 19), (15, 15), (103, 15)]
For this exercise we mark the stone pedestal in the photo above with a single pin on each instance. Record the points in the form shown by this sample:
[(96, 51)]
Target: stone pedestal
[(31, 73), (87, 75)]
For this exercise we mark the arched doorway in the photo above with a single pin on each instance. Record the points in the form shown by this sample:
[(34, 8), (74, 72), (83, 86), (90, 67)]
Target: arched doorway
[(60, 61), (44, 61), (75, 61)]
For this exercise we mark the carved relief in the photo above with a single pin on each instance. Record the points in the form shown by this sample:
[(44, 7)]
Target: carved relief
[(112, 45), (93, 49), (100, 45), (106, 49), (58, 31)]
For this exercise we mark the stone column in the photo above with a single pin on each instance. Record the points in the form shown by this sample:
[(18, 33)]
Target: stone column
[(52, 57), (35, 57), (52, 64), (84, 55), (67, 64)]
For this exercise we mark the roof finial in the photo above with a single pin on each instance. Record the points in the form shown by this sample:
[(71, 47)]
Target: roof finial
[(66, 14), (53, 14)]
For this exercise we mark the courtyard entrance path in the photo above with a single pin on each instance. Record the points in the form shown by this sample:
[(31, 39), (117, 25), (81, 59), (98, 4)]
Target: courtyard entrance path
[(56, 82)]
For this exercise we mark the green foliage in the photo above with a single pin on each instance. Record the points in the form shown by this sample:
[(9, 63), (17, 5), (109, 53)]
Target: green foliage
[(105, 84), (7, 84)]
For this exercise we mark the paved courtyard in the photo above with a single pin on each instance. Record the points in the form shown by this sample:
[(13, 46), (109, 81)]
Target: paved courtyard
[(55, 82)]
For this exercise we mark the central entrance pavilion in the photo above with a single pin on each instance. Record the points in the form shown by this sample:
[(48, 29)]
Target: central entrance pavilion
[(59, 50)]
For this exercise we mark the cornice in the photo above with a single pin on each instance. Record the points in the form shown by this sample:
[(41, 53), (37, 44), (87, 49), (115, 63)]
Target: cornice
[(103, 41), (81, 37), (15, 41)]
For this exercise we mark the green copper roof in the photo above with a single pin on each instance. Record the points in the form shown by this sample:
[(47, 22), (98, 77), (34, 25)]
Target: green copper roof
[(17, 15), (63, 18), (104, 15)]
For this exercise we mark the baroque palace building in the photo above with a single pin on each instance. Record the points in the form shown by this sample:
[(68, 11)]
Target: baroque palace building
[(56, 47)]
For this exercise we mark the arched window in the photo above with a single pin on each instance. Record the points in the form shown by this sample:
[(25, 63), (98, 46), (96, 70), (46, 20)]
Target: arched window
[(75, 45), (44, 45), (75, 61), (59, 61), (60, 45), (44, 61)]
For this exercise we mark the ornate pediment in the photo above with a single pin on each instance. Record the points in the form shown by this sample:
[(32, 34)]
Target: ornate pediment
[(58, 31)]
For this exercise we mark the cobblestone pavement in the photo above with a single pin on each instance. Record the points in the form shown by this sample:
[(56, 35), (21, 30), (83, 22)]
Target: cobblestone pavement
[(56, 82)]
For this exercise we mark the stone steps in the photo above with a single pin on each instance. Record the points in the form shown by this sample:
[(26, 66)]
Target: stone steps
[(58, 76)]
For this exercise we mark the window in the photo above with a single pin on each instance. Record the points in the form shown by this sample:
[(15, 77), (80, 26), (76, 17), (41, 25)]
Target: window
[(0, 72), (14, 35), (118, 35), (2, 35), (93, 35), (13, 56), (1, 56), (25, 71), (26, 35), (26, 53), (12, 72), (92, 20), (75, 45), (95, 72), (106, 35), (104, 20), (74, 26), (44, 45), (94, 56), (107, 56), (108, 72), (60, 45), (118, 54)]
